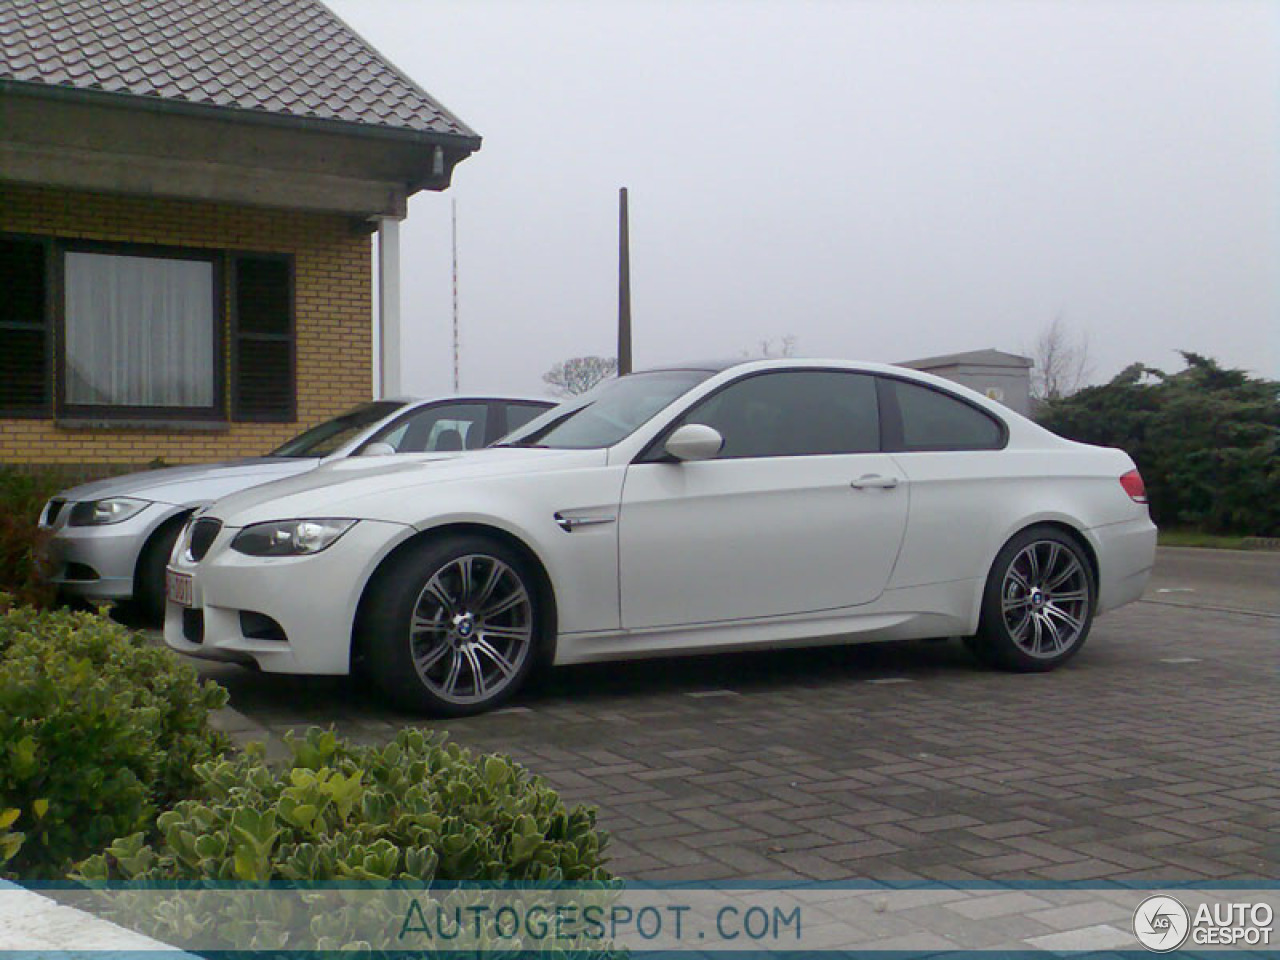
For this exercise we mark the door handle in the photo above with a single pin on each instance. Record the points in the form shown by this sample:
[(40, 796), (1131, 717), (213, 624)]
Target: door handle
[(874, 481)]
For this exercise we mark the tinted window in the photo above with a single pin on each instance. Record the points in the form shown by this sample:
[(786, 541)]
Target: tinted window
[(441, 427), (933, 420), (792, 414), (518, 414)]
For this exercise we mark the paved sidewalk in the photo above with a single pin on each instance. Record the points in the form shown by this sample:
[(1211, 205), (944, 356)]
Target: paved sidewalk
[(1152, 758)]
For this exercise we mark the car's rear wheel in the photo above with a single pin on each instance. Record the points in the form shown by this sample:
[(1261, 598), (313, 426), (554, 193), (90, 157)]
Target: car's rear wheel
[(454, 627), (1038, 604)]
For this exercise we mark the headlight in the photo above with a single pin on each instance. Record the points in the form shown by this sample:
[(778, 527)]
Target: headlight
[(97, 513), (289, 538)]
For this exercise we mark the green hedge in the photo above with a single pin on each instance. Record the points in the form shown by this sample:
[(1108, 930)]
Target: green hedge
[(1207, 440), (99, 730)]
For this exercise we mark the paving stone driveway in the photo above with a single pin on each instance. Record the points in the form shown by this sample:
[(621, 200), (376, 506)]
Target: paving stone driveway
[(1153, 758)]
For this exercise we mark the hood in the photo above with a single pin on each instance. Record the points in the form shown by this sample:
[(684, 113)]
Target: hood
[(191, 485), (376, 488)]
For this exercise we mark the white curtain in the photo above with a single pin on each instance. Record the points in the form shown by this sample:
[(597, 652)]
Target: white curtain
[(139, 331)]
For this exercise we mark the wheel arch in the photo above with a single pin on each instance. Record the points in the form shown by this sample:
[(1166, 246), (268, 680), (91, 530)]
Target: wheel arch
[(546, 589), (174, 519)]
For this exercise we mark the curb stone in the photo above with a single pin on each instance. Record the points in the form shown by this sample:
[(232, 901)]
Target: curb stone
[(1261, 543), (30, 922)]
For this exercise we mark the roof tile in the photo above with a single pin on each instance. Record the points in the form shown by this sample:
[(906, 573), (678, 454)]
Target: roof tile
[(299, 59)]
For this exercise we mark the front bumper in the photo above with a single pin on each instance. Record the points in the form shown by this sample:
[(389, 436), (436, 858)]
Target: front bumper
[(98, 563), (312, 599)]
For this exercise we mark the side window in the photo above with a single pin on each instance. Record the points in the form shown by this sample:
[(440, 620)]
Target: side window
[(793, 413), (934, 420), (445, 426), (518, 414)]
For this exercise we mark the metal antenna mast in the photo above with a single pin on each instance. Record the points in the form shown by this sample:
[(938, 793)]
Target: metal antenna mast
[(455, 294)]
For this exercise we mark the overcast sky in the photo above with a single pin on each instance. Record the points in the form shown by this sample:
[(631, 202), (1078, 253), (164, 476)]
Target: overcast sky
[(883, 180)]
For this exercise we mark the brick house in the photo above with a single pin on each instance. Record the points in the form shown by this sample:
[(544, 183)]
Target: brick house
[(189, 193)]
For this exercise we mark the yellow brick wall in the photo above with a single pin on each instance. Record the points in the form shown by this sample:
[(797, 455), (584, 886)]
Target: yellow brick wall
[(333, 282)]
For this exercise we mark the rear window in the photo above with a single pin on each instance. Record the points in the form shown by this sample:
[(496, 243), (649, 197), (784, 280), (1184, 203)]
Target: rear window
[(929, 419)]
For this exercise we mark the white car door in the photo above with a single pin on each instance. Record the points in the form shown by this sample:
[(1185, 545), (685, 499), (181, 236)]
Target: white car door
[(800, 512), (951, 452)]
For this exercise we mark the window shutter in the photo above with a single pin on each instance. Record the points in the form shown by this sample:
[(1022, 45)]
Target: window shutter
[(25, 377), (263, 378)]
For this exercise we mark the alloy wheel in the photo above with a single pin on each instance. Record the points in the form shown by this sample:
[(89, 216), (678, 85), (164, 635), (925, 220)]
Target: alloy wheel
[(472, 629), (1045, 599)]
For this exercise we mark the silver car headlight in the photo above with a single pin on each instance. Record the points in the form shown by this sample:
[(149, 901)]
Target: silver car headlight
[(99, 513), (290, 538)]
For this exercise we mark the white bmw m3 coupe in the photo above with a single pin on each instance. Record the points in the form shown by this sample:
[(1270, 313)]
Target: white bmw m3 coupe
[(690, 509)]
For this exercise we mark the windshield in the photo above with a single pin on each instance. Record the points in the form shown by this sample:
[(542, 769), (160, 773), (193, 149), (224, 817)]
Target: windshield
[(609, 413), (323, 439)]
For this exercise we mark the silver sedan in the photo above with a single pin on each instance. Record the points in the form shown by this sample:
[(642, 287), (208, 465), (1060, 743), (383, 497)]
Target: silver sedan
[(112, 538)]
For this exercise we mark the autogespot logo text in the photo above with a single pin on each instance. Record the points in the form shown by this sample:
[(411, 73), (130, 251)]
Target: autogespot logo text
[(1161, 923)]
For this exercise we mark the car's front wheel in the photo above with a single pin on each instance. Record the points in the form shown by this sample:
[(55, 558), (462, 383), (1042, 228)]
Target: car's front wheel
[(454, 627), (148, 580), (1038, 604)]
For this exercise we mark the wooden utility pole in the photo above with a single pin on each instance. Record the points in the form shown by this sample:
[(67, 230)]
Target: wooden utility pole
[(624, 287)]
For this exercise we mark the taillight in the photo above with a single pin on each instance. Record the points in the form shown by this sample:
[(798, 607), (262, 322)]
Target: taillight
[(1134, 487)]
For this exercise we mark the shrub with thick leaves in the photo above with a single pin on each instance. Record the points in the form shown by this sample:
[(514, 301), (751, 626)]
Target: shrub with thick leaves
[(418, 809), (99, 730)]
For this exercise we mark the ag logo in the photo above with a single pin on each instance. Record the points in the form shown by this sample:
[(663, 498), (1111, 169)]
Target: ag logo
[(1161, 923)]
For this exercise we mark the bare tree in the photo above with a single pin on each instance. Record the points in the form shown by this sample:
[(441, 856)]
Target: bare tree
[(784, 346), (1061, 358), (579, 374)]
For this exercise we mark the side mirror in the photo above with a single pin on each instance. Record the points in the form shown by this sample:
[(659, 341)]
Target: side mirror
[(694, 441), (378, 449)]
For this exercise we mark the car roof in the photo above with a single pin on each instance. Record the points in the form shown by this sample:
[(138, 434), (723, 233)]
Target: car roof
[(707, 366), (409, 401)]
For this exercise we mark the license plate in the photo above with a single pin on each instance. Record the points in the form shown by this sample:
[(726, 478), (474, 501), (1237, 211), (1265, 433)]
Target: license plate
[(178, 587)]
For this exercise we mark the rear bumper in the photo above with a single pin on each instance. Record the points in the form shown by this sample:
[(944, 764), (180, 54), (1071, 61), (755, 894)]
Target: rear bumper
[(1126, 553)]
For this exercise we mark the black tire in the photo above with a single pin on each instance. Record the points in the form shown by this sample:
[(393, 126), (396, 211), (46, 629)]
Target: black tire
[(443, 641), (1038, 604), (978, 650), (148, 578)]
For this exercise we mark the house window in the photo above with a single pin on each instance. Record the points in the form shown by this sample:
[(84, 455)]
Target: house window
[(144, 332), (263, 338), (140, 334), (24, 336)]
